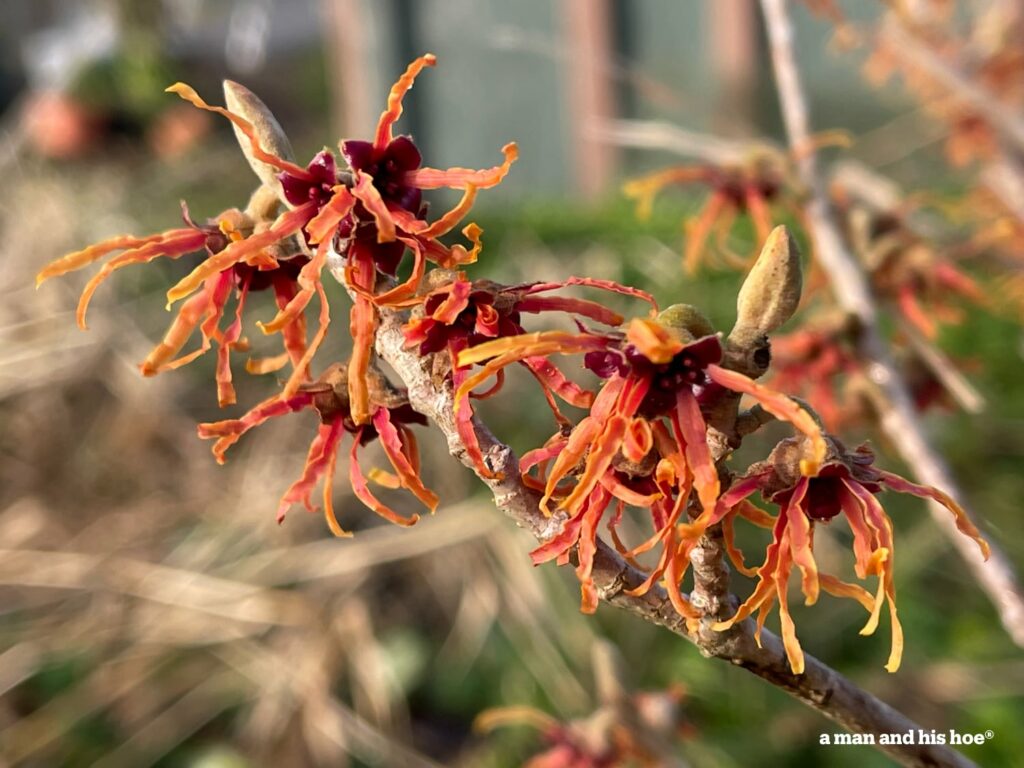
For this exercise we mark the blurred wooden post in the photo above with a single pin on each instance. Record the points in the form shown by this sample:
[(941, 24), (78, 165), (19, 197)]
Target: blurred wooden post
[(591, 100), (349, 82), (735, 50)]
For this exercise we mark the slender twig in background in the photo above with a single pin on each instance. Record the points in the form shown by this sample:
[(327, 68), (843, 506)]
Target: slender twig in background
[(652, 134), (820, 687), (1004, 175), (1005, 179), (950, 76), (897, 417)]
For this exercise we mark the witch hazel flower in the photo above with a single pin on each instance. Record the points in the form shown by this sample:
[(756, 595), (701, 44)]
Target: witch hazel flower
[(815, 363), (847, 484), (644, 442), (390, 421), (276, 264), (457, 313), (386, 216), (371, 215), (926, 285), (244, 251), (752, 188)]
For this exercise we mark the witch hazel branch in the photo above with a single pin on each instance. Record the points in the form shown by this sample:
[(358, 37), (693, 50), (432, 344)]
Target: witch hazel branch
[(645, 410)]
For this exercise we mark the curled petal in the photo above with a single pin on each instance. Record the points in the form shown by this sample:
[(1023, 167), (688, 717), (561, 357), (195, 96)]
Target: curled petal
[(499, 382), (487, 320), (461, 178), (457, 255), (384, 479), (366, 193), (633, 394), (675, 570), (780, 406), (575, 449), (589, 309), (363, 493), (464, 414), (644, 189), (402, 293), (329, 516), (692, 433), (611, 483), (450, 220), (287, 224), (672, 465), (208, 303), (417, 330), (185, 241), (653, 340), (735, 496), (410, 447), (361, 274), (560, 543), (963, 522), (639, 440), (262, 365), (189, 94), (885, 554), (293, 334), (86, 256), (863, 541), (539, 456), (662, 529), (839, 588), (228, 431), (801, 537), (512, 349), (781, 579), (877, 565), (765, 589), (393, 449), (586, 548), (394, 109), (301, 372), (321, 456), (231, 339), (602, 451), (754, 514), (697, 231), (735, 554), (308, 279), (323, 226), (594, 282), (552, 378), (457, 300)]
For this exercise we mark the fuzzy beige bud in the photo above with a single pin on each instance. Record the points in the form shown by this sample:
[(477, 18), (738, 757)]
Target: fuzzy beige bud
[(771, 292), (269, 133)]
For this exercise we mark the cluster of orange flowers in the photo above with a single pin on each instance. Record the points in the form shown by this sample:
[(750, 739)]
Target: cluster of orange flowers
[(659, 380), (371, 215)]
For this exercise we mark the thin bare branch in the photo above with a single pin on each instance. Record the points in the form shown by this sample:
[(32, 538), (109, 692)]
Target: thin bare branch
[(951, 76), (898, 418), (656, 135)]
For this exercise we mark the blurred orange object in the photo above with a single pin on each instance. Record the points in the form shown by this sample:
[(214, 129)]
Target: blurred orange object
[(57, 126), (176, 130)]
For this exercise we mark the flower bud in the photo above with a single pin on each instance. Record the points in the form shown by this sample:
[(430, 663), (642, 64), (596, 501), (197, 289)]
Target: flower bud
[(771, 292), (686, 321), (268, 131)]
